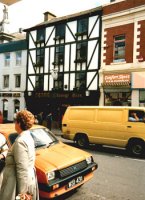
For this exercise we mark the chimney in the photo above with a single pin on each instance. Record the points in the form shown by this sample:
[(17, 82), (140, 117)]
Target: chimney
[(48, 16)]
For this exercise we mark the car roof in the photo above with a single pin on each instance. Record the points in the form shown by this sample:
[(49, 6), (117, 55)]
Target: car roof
[(8, 128)]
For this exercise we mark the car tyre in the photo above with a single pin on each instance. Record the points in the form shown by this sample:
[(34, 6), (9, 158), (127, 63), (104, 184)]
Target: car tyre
[(136, 148), (82, 141)]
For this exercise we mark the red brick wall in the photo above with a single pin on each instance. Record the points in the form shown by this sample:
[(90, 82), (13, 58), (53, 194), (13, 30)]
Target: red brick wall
[(128, 31), (120, 6), (141, 50)]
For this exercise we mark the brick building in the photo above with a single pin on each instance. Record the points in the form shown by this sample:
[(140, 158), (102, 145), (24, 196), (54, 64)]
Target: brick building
[(122, 73)]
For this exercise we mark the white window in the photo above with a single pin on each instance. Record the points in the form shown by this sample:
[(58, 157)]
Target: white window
[(17, 80), (119, 48), (6, 81), (18, 58), (7, 59)]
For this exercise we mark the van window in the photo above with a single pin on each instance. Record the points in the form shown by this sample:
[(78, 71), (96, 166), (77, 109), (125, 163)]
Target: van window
[(135, 115), (110, 115), (82, 114)]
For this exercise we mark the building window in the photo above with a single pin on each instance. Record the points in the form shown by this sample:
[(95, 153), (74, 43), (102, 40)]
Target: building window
[(82, 27), (6, 81), (17, 81), (80, 81), (39, 83), (7, 59), (40, 57), (59, 55), (81, 54), (40, 35), (18, 58), (58, 84), (60, 31), (119, 48)]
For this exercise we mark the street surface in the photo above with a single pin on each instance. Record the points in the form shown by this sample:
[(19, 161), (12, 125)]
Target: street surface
[(118, 177)]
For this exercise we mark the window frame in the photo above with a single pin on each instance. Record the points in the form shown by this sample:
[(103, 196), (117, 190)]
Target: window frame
[(6, 81), (116, 49)]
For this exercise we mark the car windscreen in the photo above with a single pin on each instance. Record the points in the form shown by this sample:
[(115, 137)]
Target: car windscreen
[(41, 136)]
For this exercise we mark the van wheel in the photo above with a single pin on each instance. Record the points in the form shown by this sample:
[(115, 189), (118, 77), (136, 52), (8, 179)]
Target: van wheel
[(136, 148), (82, 141)]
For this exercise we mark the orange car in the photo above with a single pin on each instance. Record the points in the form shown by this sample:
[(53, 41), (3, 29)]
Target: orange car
[(60, 167)]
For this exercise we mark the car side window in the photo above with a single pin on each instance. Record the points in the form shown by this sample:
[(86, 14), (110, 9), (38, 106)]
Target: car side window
[(136, 116)]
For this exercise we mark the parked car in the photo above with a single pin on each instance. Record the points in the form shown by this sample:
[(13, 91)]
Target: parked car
[(106, 126), (60, 168)]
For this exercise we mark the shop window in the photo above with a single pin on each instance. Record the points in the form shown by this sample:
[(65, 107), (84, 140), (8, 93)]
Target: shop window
[(119, 48), (6, 81), (81, 54), (18, 57), (7, 59), (80, 81), (82, 27), (142, 98), (17, 81)]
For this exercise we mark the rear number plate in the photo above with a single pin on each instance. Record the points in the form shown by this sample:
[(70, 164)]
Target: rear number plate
[(75, 181)]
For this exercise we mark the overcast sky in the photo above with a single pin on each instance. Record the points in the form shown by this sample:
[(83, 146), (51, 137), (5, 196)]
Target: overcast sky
[(27, 13)]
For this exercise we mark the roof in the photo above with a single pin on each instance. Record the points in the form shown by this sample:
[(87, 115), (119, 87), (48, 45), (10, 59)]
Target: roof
[(67, 18), (13, 46)]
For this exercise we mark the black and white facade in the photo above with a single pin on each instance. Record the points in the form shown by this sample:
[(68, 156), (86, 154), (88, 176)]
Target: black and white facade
[(63, 62)]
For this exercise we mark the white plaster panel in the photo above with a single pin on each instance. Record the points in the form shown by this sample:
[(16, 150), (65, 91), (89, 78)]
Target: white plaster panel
[(48, 32), (66, 81), (73, 28), (94, 84), (46, 60), (73, 56), (51, 58), (45, 82), (30, 68), (50, 82), (30, 87), (94, 61), (31, 43), (72, 81), (67, 55), (95, 32)]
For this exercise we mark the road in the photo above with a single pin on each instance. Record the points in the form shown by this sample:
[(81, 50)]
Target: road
[(118, 177)]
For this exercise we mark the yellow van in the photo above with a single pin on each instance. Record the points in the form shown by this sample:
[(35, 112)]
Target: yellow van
[(113, 126)]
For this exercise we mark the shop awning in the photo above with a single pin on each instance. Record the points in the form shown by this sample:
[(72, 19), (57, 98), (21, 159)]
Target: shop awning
[(116, 84)]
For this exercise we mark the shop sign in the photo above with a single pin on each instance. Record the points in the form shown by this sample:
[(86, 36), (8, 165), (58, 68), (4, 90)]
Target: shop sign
[(58, 95), (116, 78)]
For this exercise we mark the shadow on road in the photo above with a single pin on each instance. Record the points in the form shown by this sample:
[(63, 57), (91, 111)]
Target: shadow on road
[(107, 150)]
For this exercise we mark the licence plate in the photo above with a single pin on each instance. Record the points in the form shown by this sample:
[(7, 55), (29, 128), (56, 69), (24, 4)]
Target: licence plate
[(75, 181)]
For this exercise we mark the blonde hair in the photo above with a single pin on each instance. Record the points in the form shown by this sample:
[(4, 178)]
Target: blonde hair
[(25, 118)]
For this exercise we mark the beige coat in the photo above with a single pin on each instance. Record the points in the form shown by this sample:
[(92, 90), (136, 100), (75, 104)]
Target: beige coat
[(19, 175)]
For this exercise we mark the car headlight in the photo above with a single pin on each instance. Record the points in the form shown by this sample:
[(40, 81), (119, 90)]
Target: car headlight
[(51, 175), (89, 160)]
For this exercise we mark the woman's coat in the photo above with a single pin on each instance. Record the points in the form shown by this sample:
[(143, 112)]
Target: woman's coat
[(19, 173)]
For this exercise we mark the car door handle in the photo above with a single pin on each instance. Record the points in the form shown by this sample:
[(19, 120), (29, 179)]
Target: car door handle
[(64, 124), (129, 126)]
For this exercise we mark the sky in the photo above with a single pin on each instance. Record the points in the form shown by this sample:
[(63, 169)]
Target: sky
[(28, 13)]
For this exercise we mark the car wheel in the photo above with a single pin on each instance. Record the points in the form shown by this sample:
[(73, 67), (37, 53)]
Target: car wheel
[(136, 148), (82, 141)]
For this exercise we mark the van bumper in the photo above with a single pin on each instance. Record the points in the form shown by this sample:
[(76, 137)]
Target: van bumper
[(49, 191)]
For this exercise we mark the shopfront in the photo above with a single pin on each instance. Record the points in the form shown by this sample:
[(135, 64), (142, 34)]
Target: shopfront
[(117, 89)]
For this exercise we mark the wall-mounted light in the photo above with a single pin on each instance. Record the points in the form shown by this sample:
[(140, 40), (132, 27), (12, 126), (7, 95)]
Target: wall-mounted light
[(87, 93), (29, 93), (54, 73)]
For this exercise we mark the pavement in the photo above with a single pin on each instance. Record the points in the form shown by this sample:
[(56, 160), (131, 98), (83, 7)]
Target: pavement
[(56, 132)]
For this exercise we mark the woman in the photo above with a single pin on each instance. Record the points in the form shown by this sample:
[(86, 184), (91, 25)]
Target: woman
[(3, 153), (1, 117), (19, 173)]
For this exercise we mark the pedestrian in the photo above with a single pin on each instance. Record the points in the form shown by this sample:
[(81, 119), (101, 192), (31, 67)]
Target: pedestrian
[(40, 118), (19, 175), (3, 153), (1, 117), (49, 120)]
